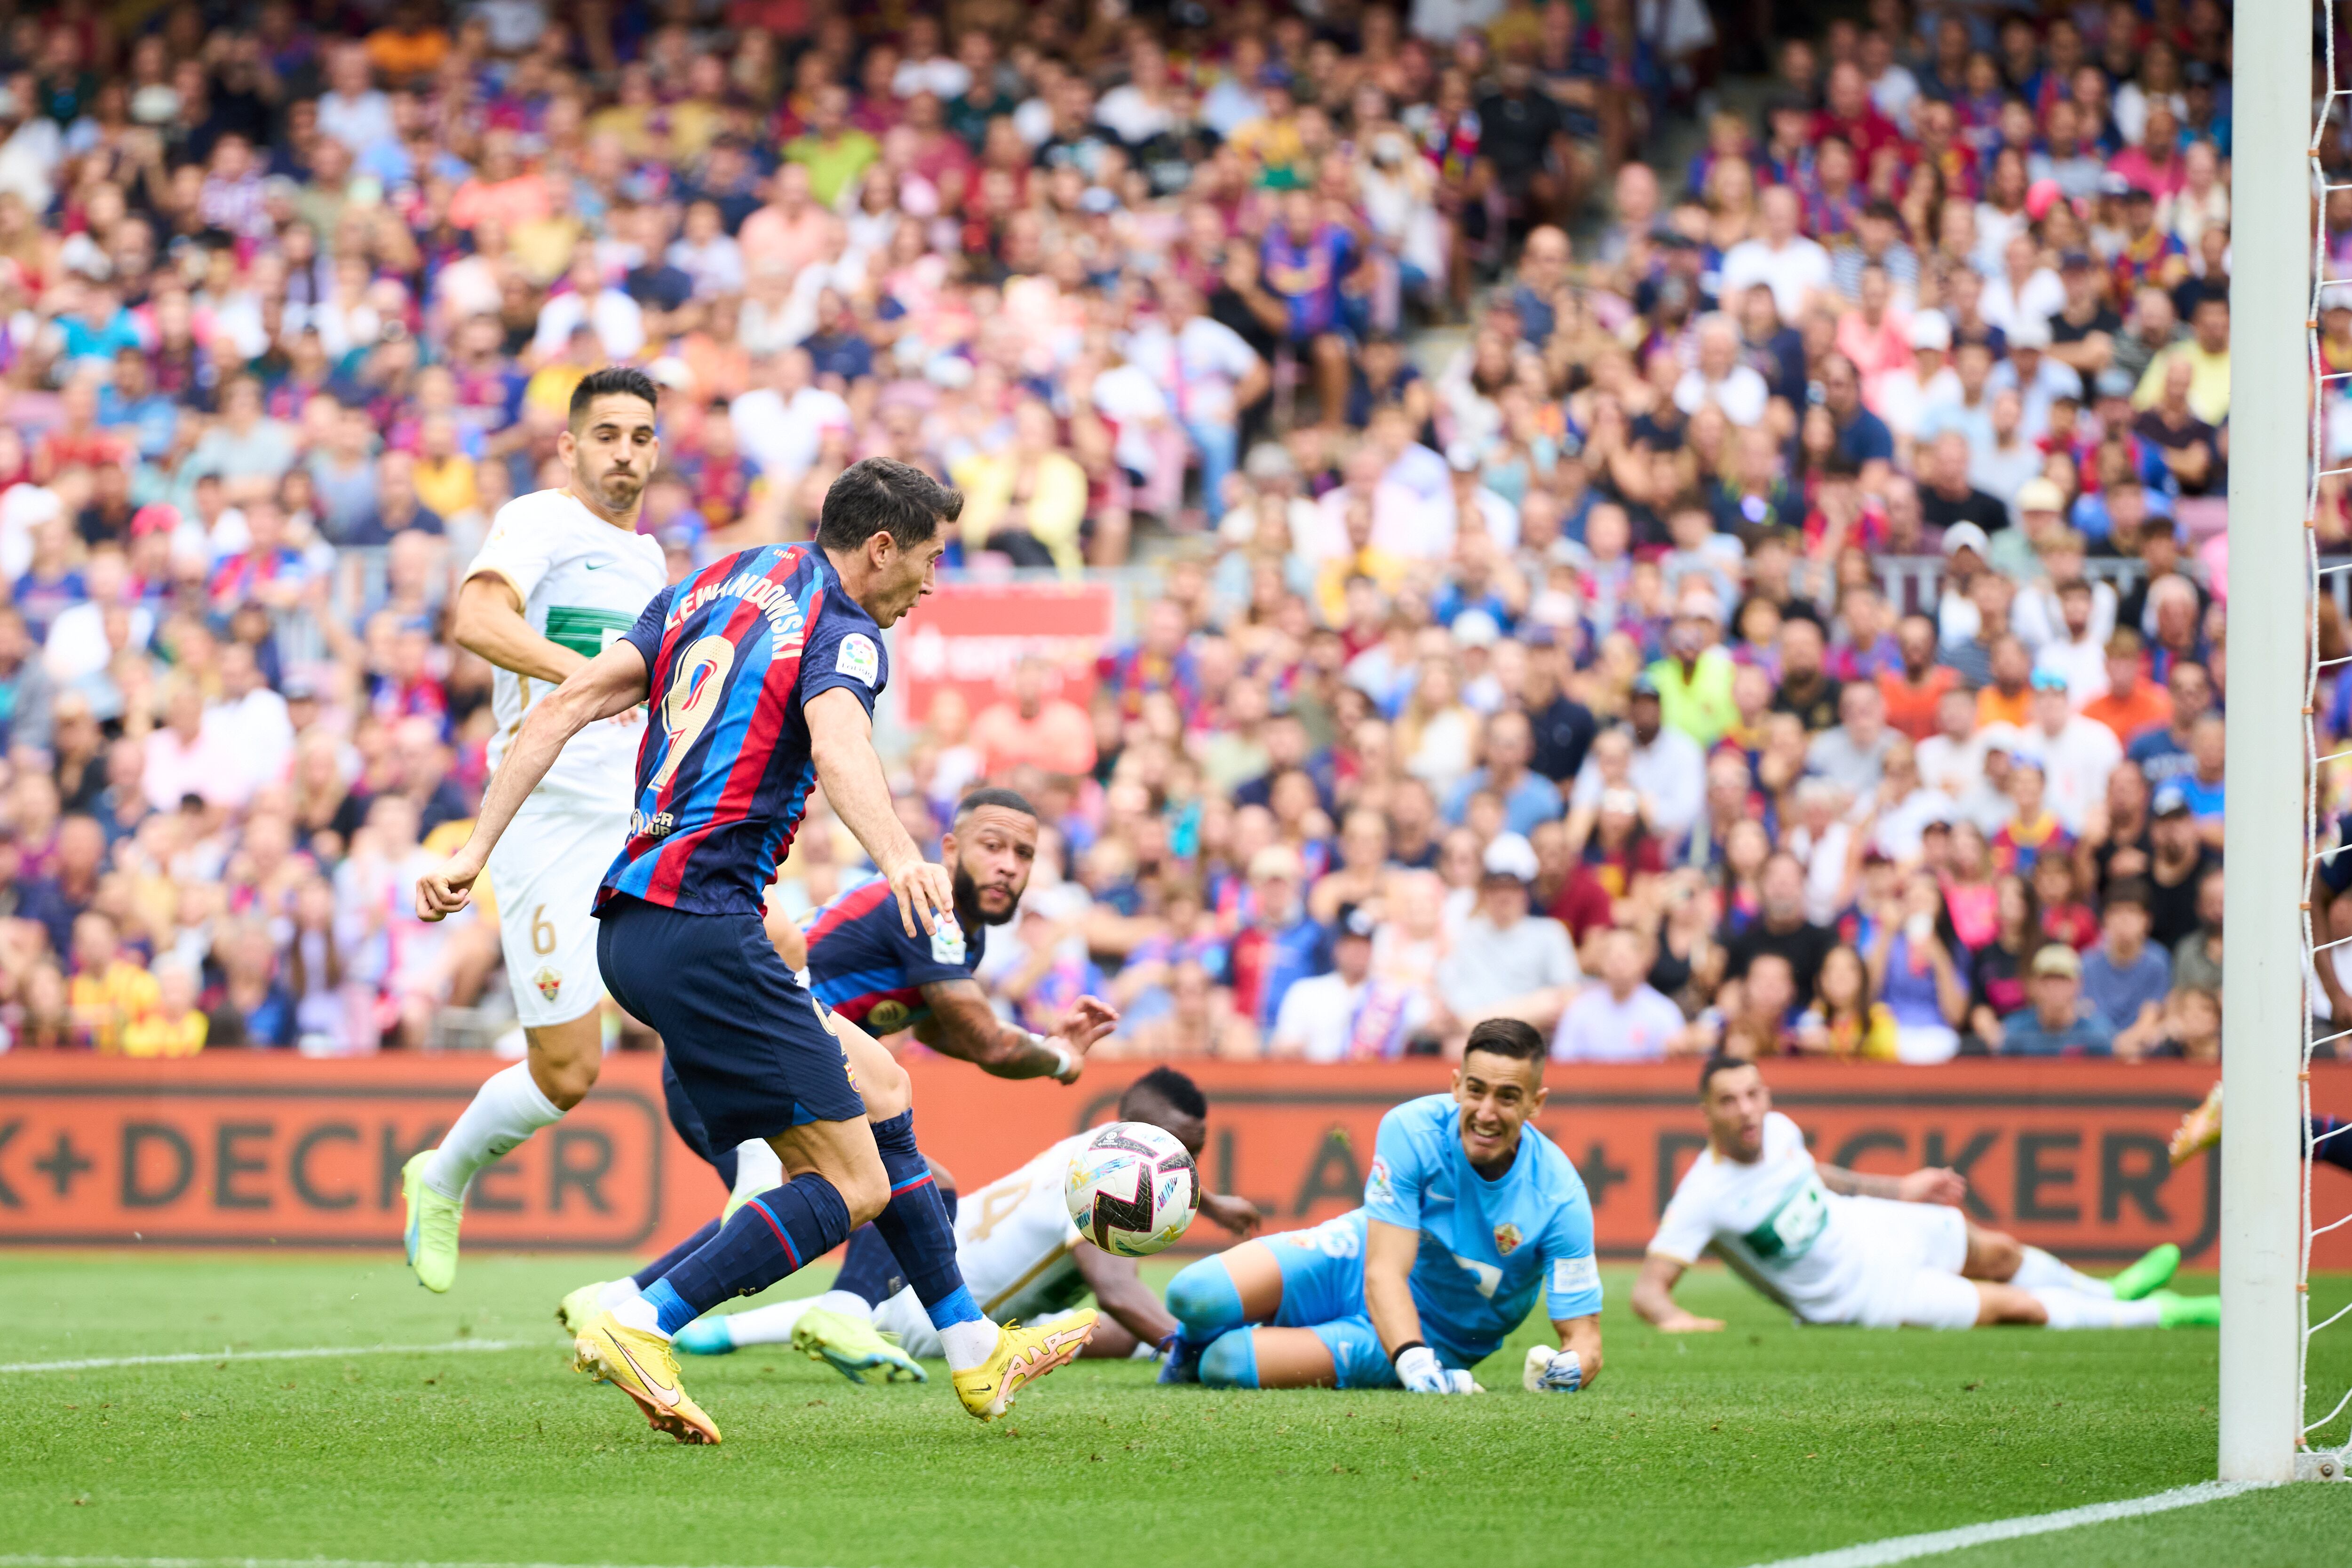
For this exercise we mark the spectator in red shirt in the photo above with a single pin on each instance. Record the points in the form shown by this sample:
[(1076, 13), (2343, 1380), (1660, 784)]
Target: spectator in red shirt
[(1913, 691)]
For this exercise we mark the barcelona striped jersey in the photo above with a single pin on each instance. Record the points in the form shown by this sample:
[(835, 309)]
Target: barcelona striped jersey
[(863, 966), (734, 654)]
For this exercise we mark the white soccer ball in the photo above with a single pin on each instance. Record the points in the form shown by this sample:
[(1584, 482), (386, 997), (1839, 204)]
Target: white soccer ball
[(1131, 1188)]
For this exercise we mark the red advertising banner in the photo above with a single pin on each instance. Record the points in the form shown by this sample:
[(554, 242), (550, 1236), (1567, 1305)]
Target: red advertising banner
[(969, 636), (237, 1150)]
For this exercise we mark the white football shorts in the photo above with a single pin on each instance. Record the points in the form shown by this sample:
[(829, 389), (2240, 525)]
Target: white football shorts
[(1917, 1253), (544, 874)]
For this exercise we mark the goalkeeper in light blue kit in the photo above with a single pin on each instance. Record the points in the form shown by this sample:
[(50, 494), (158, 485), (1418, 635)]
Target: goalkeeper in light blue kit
[(1469, 1214)]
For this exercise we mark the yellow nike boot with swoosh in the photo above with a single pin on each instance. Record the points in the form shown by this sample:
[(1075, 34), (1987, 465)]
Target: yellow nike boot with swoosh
[(640, 1365), (1022, 1356)]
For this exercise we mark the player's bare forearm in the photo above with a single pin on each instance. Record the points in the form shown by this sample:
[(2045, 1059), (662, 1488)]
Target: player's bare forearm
[(1120, 1292), (841, 745), (964, 1026), (1582, 1335), (613, 682), (1654, 1297), (488, 620), (1389, 1254), (1930, 1184)]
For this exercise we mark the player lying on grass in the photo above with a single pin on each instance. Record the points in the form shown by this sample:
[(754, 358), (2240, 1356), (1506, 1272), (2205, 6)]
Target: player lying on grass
[(1020, 1254), (562, 571), (1834, 1247), (1468, 1213), (867, 968), (762, 671)]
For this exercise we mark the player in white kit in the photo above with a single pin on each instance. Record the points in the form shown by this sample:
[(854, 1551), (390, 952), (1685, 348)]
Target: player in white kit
[(1020, 1255), (562, 574), (1836, 1246)]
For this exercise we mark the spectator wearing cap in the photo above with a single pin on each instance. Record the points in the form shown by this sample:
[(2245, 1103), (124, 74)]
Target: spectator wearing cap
[(2077, 753), (2038, 377), (1506, 959), (2083, 330), (1278, 945), (1958, 620), (1529, 798), (2059, 1022), (1694, 679), (1907, 388), (2133, 705), (1347, 1015), (1623, 1018), (2126, 977), (2015, 552), (2178, 859), (1667, 767)]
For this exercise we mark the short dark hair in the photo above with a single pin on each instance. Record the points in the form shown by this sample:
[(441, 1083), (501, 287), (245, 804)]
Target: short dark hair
[(1171, 1088), (1506, 1037), (2134, 890), (883, 495), (1718, 1063), (613, 380), (1010, 800)]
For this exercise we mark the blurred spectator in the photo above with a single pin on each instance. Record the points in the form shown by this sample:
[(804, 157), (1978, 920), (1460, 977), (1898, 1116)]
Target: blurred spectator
[(2058, 1022)]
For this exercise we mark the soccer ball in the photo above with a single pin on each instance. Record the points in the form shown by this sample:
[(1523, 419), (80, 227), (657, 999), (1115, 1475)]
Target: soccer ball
[(1131, 1189)]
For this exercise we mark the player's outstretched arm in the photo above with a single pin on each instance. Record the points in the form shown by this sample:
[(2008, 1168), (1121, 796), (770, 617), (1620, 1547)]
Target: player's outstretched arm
[(962, 1026), (1389, 1254), (1119, 1292), (613, 682), (1654, 1298), (1928, 1184), (1239, 1216), (841, 744), (488, 620)]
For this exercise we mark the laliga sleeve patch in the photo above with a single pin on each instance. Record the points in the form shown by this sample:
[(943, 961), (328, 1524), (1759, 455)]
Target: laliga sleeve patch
[(1378, 1188), (1572, 1275), (947, 943), (860, 660)]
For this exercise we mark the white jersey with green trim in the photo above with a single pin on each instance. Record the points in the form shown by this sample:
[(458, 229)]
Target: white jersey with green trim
[(1775, 1224), (1014, 1237), (583, 583)]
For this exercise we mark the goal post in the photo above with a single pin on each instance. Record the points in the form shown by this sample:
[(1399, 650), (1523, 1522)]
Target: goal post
[(2266, 832)]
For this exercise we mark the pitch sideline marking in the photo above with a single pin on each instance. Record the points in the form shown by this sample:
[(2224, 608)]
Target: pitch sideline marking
[(6, 1562), (310, 1353), (1904, 1548)]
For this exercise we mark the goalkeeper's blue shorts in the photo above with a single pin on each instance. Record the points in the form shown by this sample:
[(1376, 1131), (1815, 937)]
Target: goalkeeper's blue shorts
[(1323, 1290)]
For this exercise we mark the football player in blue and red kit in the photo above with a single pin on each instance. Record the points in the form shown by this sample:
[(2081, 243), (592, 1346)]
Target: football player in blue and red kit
[(762, 671)]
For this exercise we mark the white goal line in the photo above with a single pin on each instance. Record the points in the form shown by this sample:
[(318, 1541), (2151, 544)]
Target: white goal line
[(1904, 1548), (309, 1354)]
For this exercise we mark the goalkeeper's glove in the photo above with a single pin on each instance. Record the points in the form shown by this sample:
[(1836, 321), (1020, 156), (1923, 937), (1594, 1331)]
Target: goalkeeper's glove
[(1552, 1371), (1417, 1368)]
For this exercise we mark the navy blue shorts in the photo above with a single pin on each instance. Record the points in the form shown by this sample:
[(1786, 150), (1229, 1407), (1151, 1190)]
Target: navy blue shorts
[(747, 1045)]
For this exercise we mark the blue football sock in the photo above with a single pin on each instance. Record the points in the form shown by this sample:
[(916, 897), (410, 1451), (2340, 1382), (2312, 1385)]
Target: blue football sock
[(773, 1234), (868, 1271), (2331, 1137), (1203, 1299), (1231, 1362), (916, 1225), (677, 1254)]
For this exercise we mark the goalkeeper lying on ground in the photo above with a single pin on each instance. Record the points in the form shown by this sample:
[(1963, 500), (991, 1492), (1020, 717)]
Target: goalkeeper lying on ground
[(1468, 1213), (1834, 1247)]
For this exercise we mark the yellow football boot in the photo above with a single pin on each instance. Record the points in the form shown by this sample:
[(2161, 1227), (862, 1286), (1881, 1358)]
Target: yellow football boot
[(640, 1365), (1022, 1356), (431, 1234), (579, 1308)]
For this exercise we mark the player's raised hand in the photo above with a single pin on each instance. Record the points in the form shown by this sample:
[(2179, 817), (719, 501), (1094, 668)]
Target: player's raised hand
[(926, 895), (1088, 1020), (448, 887), (1236, 1214), (1932, 1184)]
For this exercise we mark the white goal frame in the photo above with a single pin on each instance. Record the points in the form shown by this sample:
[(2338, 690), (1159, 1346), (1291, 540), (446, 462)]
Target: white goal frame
[(2269, 841)]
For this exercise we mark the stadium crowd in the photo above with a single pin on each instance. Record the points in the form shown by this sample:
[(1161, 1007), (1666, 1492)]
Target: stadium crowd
[(1786, 617)]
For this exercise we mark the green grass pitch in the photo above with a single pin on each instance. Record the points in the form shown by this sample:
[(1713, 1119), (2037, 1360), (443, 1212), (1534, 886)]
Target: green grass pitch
[(1760, 1443)]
